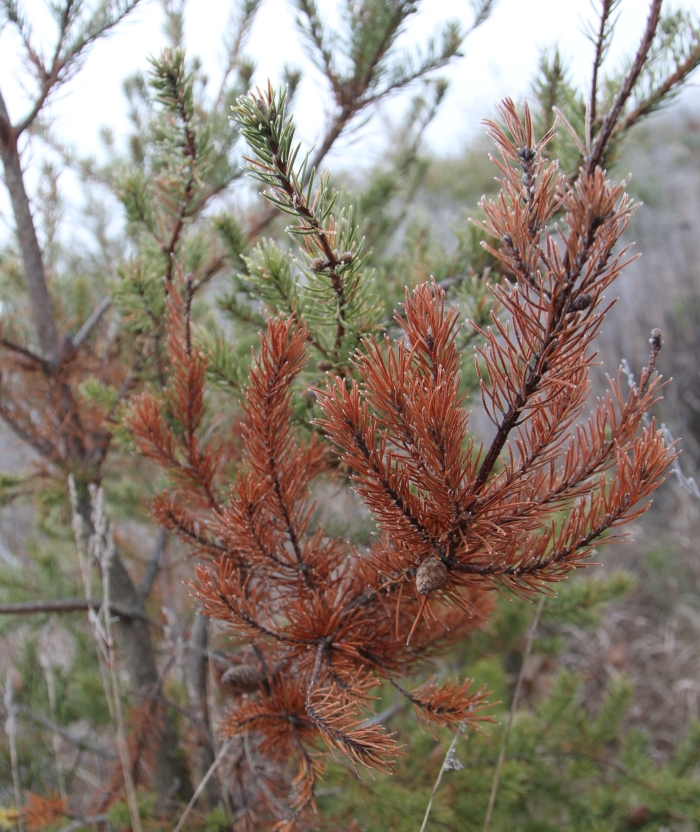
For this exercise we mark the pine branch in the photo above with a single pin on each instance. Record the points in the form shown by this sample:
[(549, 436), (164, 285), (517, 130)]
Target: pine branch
[(611, 118), (602, 42), (328, 623), (331, 253)]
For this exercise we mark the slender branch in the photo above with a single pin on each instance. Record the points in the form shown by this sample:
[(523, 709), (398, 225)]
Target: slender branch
[(600, 49), (41, 445), (94, 319), (511, 713), (200, 788), (672, 81), (34, 273), (83, 743), (62, 65), (163, 700), (606, 131), (68, 605), (18, 348)]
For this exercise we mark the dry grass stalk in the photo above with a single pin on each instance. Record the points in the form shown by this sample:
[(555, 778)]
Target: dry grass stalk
[(46, 661), (511, 712), (223, 751), (449, 763), (11, 731), (98, 547)]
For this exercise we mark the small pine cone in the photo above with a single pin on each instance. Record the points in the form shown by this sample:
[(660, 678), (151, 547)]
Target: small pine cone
[(244, 678), (347, 257), (324, 366), (638, 816), (431, 575)]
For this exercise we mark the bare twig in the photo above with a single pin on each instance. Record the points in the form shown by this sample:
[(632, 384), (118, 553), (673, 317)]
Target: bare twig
[(23, 351), (383, 717), (66, 605), (511, 713), (84, 332)]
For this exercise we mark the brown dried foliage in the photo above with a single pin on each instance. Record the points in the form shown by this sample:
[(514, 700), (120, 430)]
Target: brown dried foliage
[(43, 404), (328, 623), (41, 812)]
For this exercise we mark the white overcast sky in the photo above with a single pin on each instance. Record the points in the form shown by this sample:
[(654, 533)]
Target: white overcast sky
[(500, 59)]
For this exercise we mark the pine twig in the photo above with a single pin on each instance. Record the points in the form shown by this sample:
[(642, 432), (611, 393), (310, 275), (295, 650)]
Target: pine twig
[(511, 713), (450, 763)]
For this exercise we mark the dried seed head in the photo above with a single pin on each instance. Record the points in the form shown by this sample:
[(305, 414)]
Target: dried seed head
[(431, 575), (244, 678)]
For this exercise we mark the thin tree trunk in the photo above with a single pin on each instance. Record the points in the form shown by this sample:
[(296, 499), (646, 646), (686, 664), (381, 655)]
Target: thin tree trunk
[(137, 659), (134, 644), (34, 275), (203, 757), (170, 775)]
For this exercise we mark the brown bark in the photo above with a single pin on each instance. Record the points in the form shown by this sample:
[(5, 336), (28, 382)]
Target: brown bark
[(39, 299), (203, 756)]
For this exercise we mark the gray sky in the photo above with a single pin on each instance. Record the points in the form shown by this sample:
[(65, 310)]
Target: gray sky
[(500, 60)]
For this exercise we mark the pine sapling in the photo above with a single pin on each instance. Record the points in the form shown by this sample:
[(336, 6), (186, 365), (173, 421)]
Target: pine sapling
[(326, 622)]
